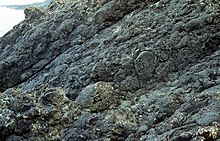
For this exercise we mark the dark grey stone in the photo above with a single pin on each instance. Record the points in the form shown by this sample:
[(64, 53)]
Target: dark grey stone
[(123, 70)]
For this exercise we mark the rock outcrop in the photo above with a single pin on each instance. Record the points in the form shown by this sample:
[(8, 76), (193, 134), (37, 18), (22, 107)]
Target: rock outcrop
[(109, 70)]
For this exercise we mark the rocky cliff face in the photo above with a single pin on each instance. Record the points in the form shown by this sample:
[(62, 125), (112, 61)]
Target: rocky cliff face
[(112, 70)]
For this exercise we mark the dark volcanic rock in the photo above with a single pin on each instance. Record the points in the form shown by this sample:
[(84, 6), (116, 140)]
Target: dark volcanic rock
[(122, 70)]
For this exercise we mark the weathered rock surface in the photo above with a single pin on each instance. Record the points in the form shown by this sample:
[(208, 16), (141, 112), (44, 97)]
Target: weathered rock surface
[(110, 70)]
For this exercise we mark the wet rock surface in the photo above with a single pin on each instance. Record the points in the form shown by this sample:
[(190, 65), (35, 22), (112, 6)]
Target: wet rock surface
[(110, 70)]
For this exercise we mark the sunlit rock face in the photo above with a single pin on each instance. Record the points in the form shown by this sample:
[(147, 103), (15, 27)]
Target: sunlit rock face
[(124, 70), (12, 12)]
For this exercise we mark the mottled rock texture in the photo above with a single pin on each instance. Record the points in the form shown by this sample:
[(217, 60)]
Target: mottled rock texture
[(112, 70)]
